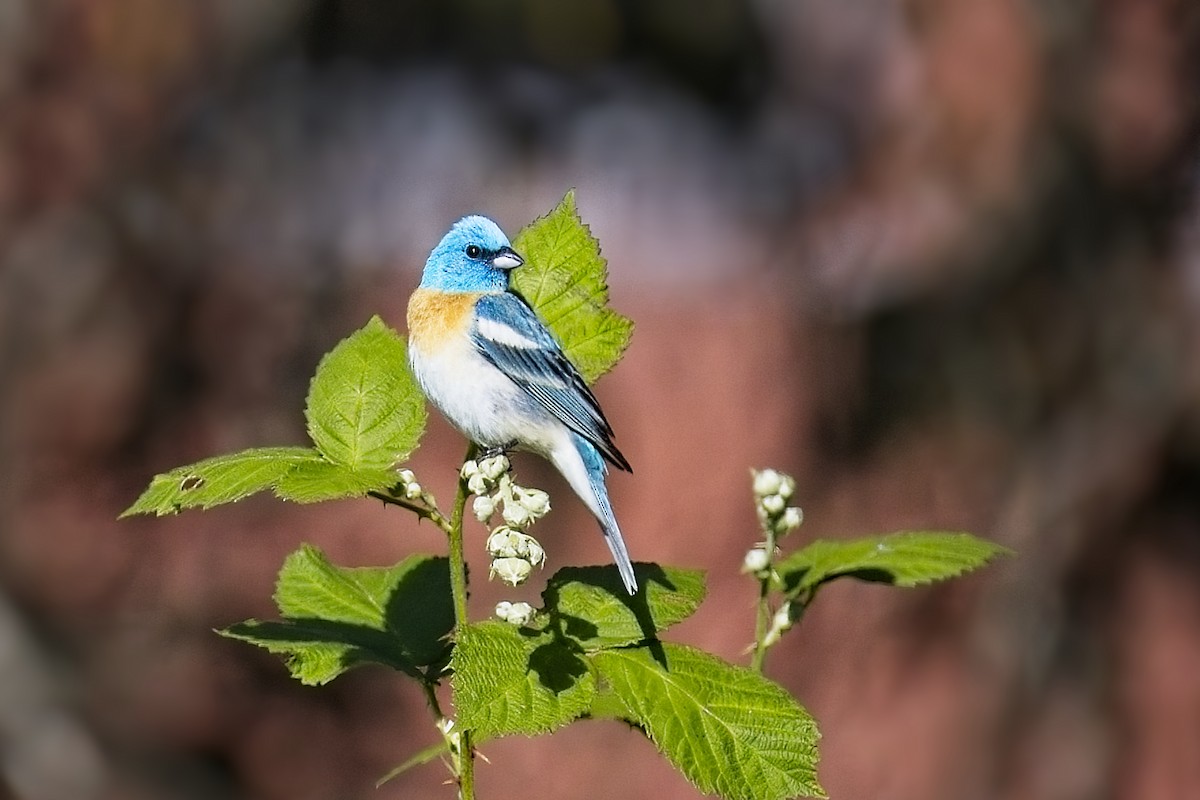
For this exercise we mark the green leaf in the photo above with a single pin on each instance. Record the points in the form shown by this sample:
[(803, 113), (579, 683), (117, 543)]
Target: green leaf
[(909, 558), (590, 604), (442, 748), (315, 481), (729, 730), (364, 408), (510, 681), (317, 651), (221, 479), (338, 617), (565, 281)]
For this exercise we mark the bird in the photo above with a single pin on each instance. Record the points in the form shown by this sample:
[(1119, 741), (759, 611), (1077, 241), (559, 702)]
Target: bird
[(488, 363)]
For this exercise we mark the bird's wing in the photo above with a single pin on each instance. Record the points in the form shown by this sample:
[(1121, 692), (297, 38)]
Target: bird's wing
[(508, 333)]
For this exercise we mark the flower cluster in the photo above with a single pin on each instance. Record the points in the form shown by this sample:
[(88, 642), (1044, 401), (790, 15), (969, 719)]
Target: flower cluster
[(408, 483), (514, 552), (772, 491)]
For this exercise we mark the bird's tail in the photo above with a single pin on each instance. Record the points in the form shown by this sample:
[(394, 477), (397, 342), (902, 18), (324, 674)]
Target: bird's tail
[(595, 494)]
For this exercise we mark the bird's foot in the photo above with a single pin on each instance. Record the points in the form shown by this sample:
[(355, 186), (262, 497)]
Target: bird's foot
[(496, 450)]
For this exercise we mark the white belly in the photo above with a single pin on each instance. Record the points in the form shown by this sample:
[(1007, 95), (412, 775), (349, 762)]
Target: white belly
[(481, 401)]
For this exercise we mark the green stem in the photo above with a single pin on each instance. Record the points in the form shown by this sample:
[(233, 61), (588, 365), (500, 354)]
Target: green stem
[(764, 615), (458, 585), (420, 509)]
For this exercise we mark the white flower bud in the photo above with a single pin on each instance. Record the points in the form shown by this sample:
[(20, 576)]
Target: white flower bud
[(783, 617), (508, 543), (787, 486), (477, 484), (766, 482), (407, 476), (517, 515), (413, 491), (534, 552), (502, 542), (483, 507), (512, 571), (535, 501), (756, 560), (494, 467), (469, 470), (780, 623), (791, 519), (773, 504), (515, 613)]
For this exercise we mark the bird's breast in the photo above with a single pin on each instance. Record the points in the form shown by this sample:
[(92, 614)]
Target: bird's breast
[(437, 320)]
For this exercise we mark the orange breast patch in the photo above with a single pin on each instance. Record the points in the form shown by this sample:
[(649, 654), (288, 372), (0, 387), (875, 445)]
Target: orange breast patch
[(436, 318)]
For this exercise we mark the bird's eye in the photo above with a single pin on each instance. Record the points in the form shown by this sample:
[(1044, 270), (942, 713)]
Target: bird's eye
[(473, 251)]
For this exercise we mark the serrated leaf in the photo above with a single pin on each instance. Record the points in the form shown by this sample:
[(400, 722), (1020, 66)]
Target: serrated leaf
[(908, 558), (565, 281), (338, 617), (509, 682), (728, 729), (221, 479), (364, 408), (316, 481), (317, 651), (591, 606)]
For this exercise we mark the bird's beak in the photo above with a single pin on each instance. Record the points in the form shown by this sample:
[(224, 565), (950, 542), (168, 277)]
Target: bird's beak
[(507, 258)]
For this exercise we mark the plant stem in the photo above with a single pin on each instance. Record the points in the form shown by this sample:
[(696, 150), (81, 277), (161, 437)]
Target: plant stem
[(420, 509), (761, 626), (458, 585), (764, 615)]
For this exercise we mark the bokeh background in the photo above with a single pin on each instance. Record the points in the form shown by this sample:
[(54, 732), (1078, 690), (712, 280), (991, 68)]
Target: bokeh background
[(940, 259)]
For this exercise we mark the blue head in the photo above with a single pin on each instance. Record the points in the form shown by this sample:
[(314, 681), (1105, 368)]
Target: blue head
[(474, 256)]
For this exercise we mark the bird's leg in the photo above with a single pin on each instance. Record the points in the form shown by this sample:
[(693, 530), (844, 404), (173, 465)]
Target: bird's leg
[(497, 450)]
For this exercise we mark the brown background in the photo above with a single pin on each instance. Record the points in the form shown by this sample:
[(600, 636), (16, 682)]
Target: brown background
[(940, 260)]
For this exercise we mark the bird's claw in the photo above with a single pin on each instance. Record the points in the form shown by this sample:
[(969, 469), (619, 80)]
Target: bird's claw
[(497, 450)]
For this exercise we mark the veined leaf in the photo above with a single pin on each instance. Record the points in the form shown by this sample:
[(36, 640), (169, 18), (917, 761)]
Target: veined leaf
[(364, 408), (316, 481), (909, 558), (338, 617), (508, 681), (728, 729), (317, 651), (221, 479), (565, 281), (591, 606)]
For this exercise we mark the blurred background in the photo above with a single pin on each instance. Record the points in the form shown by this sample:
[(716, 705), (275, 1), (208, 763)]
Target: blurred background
[(940, 260)]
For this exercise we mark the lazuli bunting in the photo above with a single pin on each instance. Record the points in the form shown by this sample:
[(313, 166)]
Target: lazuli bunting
[(486, 361)]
